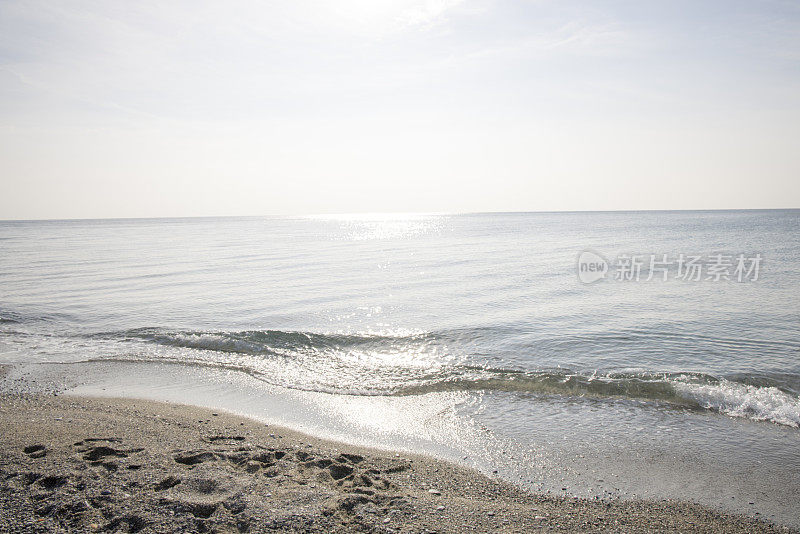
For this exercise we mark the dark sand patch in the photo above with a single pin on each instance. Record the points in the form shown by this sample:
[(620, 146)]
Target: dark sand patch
[(108, 465)]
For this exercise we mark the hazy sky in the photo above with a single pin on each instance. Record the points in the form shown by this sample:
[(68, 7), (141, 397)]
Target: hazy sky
[(132, 109)]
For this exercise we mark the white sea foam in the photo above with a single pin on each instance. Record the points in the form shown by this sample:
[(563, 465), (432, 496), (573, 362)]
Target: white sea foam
[(742, 400)]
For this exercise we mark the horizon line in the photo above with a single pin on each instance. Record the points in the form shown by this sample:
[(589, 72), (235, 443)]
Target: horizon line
[(396, 214)]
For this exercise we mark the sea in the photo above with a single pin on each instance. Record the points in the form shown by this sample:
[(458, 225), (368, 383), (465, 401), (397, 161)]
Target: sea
[(603, 355)]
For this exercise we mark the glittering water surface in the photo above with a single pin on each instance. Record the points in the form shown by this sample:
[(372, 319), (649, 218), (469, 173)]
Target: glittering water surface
[(467, 336)]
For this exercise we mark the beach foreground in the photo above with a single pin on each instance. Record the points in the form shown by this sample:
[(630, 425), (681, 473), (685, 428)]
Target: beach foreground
[(88, 464)]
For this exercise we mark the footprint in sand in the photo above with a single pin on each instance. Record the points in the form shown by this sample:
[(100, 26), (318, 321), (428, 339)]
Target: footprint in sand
[(35, 451), (195, 457)]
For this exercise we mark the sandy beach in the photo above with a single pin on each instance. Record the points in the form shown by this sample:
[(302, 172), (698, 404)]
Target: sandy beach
[(110, 465)]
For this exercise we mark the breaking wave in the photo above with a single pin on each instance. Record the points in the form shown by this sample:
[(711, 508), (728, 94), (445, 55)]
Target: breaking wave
[(418, 363)]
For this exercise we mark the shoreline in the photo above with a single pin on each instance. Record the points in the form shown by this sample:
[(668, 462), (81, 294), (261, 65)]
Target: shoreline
[(124, 465)]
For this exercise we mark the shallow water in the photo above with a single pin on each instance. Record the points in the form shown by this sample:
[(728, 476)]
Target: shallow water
[(467, 336)]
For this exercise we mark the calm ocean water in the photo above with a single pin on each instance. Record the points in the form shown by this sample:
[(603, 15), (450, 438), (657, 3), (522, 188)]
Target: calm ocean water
[(466, 336)]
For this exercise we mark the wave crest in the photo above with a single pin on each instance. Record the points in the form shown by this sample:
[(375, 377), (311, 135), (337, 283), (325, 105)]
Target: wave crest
[(744, 400), (419, 363)]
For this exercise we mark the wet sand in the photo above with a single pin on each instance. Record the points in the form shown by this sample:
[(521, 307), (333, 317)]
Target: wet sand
[(116, 465)]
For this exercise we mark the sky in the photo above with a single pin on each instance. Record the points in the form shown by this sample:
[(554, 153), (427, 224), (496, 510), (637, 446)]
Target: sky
[(145, 109)]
